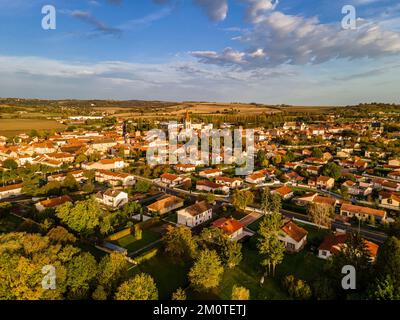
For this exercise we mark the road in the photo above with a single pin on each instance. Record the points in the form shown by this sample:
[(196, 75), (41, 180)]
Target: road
[(367, 233)]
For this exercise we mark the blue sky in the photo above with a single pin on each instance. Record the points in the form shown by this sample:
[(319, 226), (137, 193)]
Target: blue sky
[(287, 51)]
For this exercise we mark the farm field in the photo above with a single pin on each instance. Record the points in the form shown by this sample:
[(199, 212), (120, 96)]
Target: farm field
[(12, 127)]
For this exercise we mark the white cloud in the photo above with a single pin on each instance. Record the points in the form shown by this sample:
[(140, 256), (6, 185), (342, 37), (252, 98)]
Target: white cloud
[(288, 39)]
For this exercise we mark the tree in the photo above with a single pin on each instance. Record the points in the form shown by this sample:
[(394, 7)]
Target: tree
[(384, 289), (266, 200), (320, 214), (81, 158), (231, 253), (10, 164), (82, 273), (207, 271), (140, 287), (99, 294), (179, 243), (5, 207), (88, 187), (240, 293), (270, 247), (276, 203), (388, 263), (297, 289), (242, 198), (142, 186), (317, 153), (354, 253), (332, 170), (179, 294), (112, 269), (83, 217), (70, 183), (61, 235)]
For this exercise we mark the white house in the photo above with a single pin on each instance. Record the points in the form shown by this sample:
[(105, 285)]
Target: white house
[(115, 178), (211, 173), (196, 214), (293, 236), (208, 186), (113, 199), (52, 203), (173, 180), (105, 164), (232, 183), (10, 191)]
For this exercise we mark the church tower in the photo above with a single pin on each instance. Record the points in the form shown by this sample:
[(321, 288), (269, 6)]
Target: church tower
[(187, 121)]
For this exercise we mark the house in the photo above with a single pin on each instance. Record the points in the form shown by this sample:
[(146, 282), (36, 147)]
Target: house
[(285, 192), (394, 162), (231, 227), (358, 189), (314, 170), (196, 214), (363, 213), (211, 173), (165, 205), (64, 157), (389, 199), (114, 178), (256, 178), (395, 175), (334, 243), (208, 186), (316, 198), (43, 147), (232, 183), (172, 180), (293, 236), (10, 191), (112, 199), (325, 183), (105, 164), (52, 203), (102, 145), (185, 167)]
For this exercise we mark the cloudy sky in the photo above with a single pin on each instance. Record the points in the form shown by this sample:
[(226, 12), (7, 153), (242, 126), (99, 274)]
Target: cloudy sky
[(268, 51)]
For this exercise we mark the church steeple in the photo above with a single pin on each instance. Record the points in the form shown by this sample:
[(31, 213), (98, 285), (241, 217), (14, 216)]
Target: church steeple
[(187, 121)]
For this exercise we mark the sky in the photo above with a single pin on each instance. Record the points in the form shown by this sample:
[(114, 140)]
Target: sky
[(266, 51)]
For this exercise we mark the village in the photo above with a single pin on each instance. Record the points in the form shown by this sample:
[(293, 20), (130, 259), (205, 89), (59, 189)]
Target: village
[(343, 181)]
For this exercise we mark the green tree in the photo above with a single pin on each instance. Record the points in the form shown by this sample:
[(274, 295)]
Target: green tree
[(142, 186), (70, 183), (10, 164), (112, 270), (61, 235), (242, 198), (240, 293), (207, 271), (179, 243), (83, 217), (82, 273), (388, 263), (179, 294), (332, 170), (270, 247), (317, 153), (297, 289), (140, 287)]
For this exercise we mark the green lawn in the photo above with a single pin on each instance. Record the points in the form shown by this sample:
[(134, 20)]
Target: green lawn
[(168, 276), (132, 245)]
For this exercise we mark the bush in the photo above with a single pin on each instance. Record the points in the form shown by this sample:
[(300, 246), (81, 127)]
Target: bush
[(297, 289)]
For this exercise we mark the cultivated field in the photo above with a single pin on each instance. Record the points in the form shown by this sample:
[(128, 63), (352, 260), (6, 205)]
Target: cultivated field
[(12, 127)]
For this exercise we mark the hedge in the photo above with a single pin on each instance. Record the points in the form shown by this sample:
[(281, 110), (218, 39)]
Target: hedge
[(147, 255)]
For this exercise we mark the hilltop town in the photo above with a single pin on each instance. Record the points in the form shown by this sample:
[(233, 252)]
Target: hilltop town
[(324, 193)]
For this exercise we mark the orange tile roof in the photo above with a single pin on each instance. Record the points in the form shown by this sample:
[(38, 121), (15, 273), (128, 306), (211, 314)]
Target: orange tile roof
[(229, 226), (55, 202), (10, 187), (294, 231), (363, 210)]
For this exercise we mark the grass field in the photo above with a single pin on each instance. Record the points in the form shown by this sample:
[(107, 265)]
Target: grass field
[(12, 127), (132, 245)]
